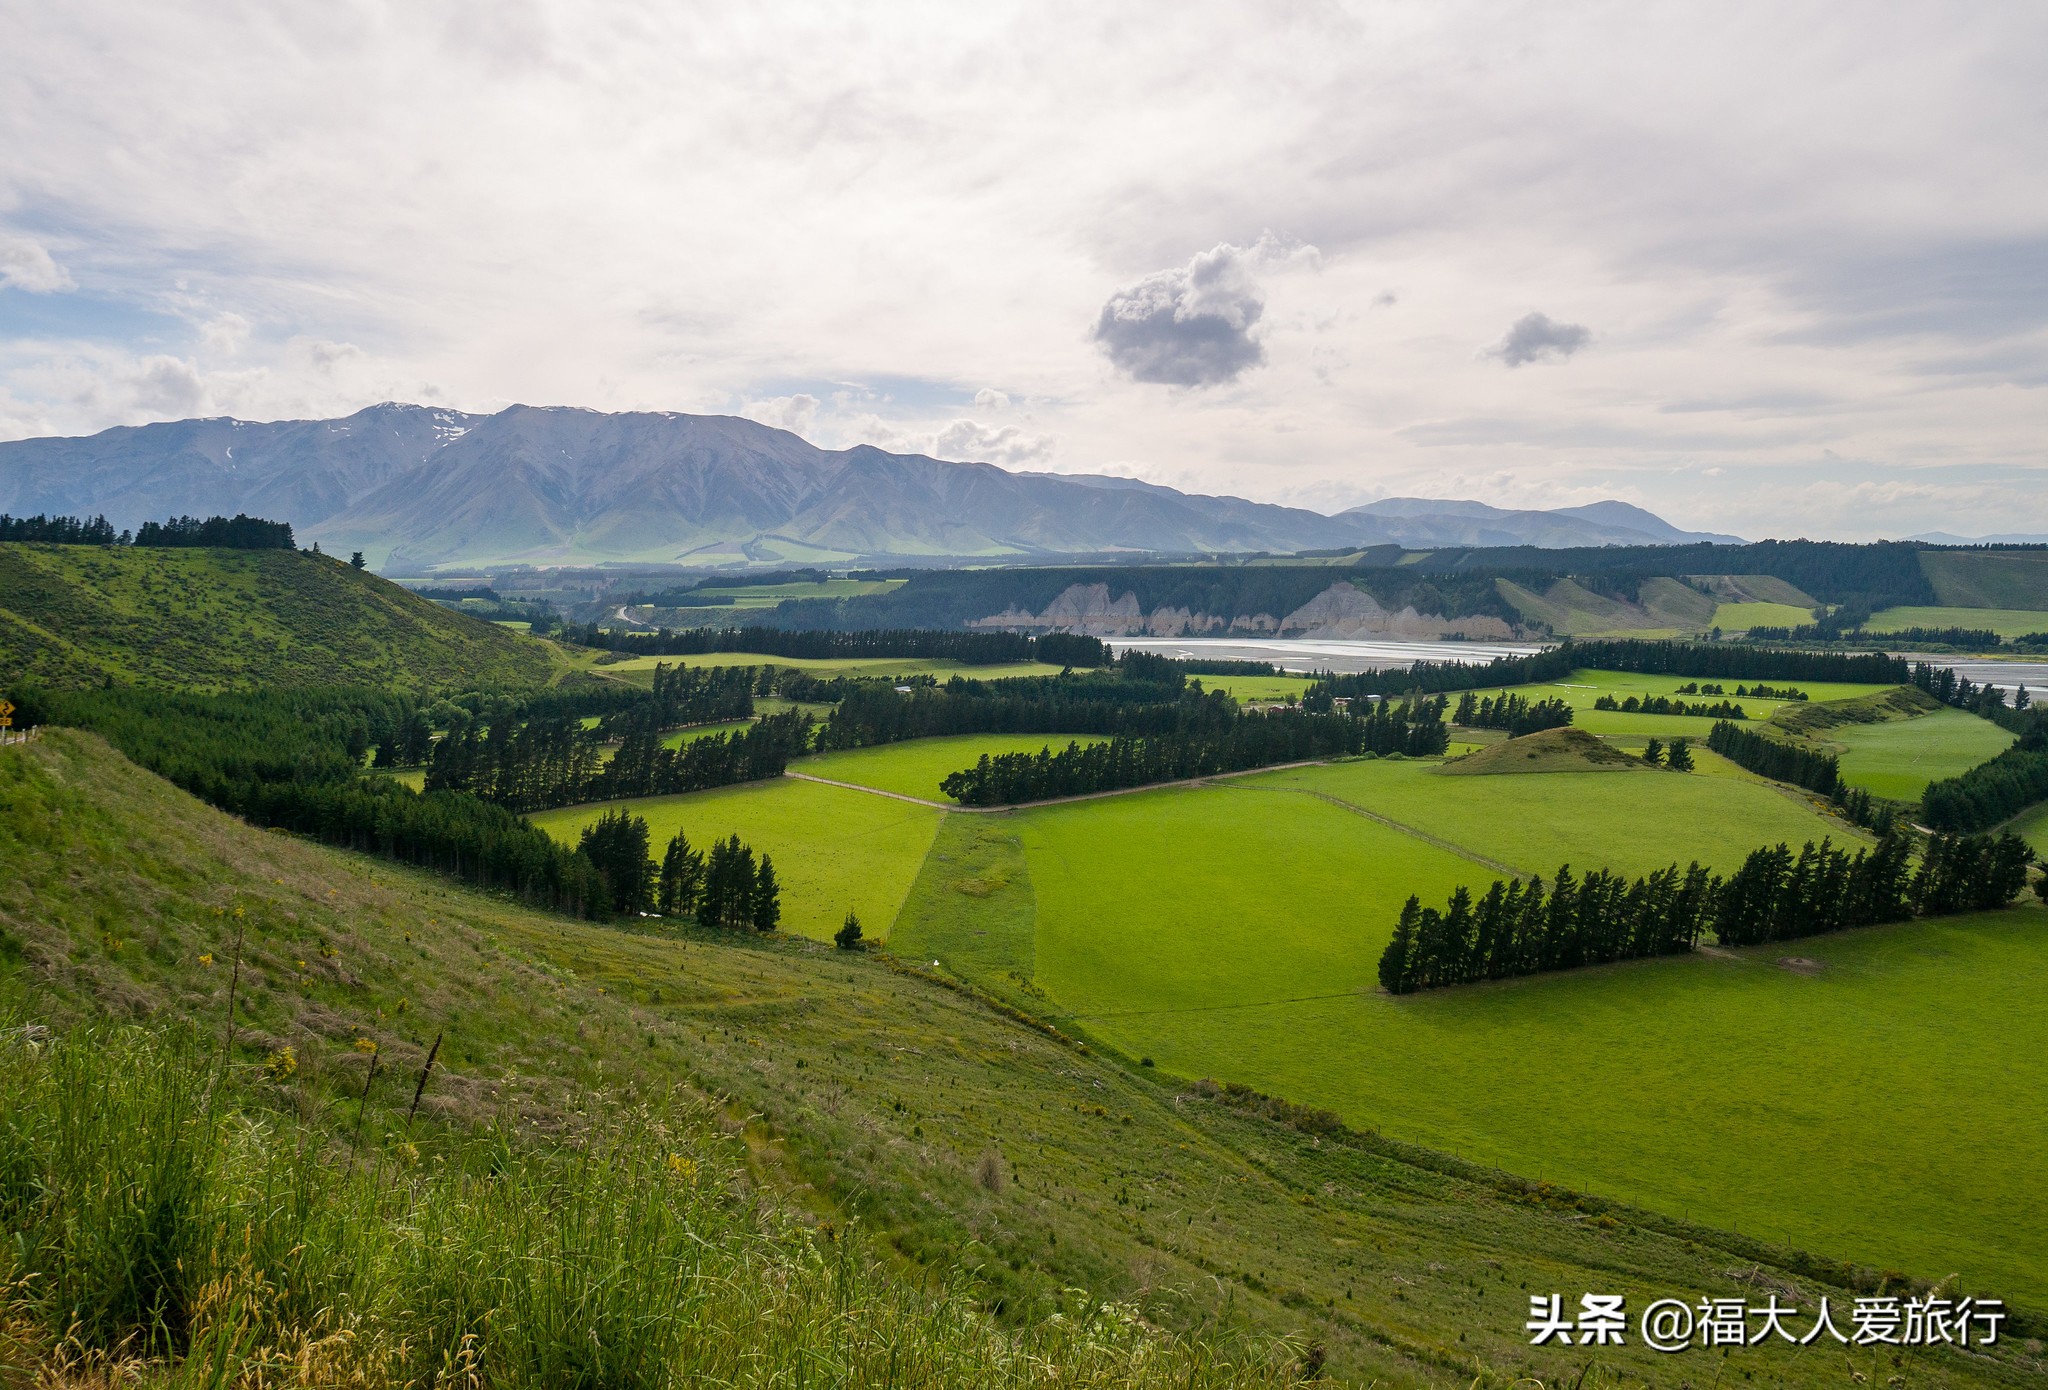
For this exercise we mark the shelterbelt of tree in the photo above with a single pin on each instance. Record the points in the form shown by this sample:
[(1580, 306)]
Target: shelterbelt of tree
[(194, 618), (1516, 928), (1717, 660)]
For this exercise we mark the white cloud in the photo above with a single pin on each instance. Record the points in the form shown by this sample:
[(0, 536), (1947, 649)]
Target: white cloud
[(26, 265), (988, 398), (970, 441), (224, 335), (795, 413)]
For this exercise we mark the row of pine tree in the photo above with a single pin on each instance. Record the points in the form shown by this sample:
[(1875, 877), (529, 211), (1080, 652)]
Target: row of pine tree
[(1522, 928)]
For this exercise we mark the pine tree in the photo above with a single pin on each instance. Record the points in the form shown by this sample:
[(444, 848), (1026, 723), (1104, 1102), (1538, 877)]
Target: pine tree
[(682, 878), (767, 897), (1680, 759), (1395, 973), (1653, 754), (848, 938)]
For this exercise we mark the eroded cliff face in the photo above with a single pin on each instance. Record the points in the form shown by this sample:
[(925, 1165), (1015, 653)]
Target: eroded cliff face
[(1342, 610)]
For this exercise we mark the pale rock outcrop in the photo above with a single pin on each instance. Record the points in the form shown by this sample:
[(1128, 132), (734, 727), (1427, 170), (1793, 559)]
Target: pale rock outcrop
[(1342, 610)]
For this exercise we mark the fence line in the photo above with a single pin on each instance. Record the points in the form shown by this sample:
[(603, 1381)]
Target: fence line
[(8, 736)]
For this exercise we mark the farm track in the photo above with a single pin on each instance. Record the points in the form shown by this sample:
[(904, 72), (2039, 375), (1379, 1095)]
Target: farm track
[(1448, 846), (1056, 800)]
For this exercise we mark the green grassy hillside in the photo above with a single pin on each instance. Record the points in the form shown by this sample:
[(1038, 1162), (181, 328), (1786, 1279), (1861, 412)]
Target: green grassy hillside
[(234, 619), (863, 1098), (2006, 622), (1988, 578)]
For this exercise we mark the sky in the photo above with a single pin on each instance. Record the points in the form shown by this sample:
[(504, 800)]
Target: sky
[(1773, 269)]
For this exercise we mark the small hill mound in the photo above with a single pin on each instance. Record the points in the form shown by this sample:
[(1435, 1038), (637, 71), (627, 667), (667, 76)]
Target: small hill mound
[(209, 620), (1553, 750)]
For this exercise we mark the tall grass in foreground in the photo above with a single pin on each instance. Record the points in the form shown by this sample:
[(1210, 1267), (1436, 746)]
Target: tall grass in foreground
[(153, 1233)]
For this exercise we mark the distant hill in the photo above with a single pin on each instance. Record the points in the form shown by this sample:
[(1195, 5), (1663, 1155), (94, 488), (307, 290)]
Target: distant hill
[(74, 615), (415, 487), (1427, 523)]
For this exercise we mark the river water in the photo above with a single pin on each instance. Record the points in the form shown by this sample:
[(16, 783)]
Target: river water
[(1332, 654)]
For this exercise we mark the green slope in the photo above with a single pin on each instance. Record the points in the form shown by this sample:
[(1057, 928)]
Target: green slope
[(235, 619), (956, 1133), (1988, 578)]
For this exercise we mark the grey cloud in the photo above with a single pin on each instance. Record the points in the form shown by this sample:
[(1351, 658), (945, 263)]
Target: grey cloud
[(1538, 337), (1188, 326)]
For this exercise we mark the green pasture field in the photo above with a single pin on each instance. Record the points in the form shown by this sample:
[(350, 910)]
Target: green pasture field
[(414, 777), (1632, 822), (1234, 930), (768, 595), (1899, 758), (1581, 688), (1869, 1105), (634, 666), (917, 767), (2006, 622), (1261, 688), (1736, 617), (833, 849), (679, 737), (2031, 825), (1981, 579)]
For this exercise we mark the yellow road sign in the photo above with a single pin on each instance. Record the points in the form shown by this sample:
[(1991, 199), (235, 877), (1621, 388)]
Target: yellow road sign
[(5, 709)]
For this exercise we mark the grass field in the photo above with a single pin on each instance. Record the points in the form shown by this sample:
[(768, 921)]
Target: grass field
[(834, 849), (768, 595), (917, 767), (1234, 930), (1899, 758), (1847, 1110), (680, 737), (2006, 622), (851, 1089), (1988, 578), (1739, 617), (1257, 687), (1582, 688), (2032, 826)]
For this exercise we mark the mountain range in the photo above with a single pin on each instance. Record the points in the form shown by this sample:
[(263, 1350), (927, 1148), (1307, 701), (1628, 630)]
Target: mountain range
[(417, 487)]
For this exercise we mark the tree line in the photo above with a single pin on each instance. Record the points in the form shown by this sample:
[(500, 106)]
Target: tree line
[(1728, 661), (1251, 740), (533, 764), (970, 648), (1991, 792), (1519, 928), (726, 887), (284, 759), (1705, 659), (238, 532), (683, 695), (1511, 712), (1743, 692), (1664, 704), (59, 530), (1779, 761)]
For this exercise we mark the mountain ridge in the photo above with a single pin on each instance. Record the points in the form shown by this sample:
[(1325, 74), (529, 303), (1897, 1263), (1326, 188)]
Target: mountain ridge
[(417, 487)]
